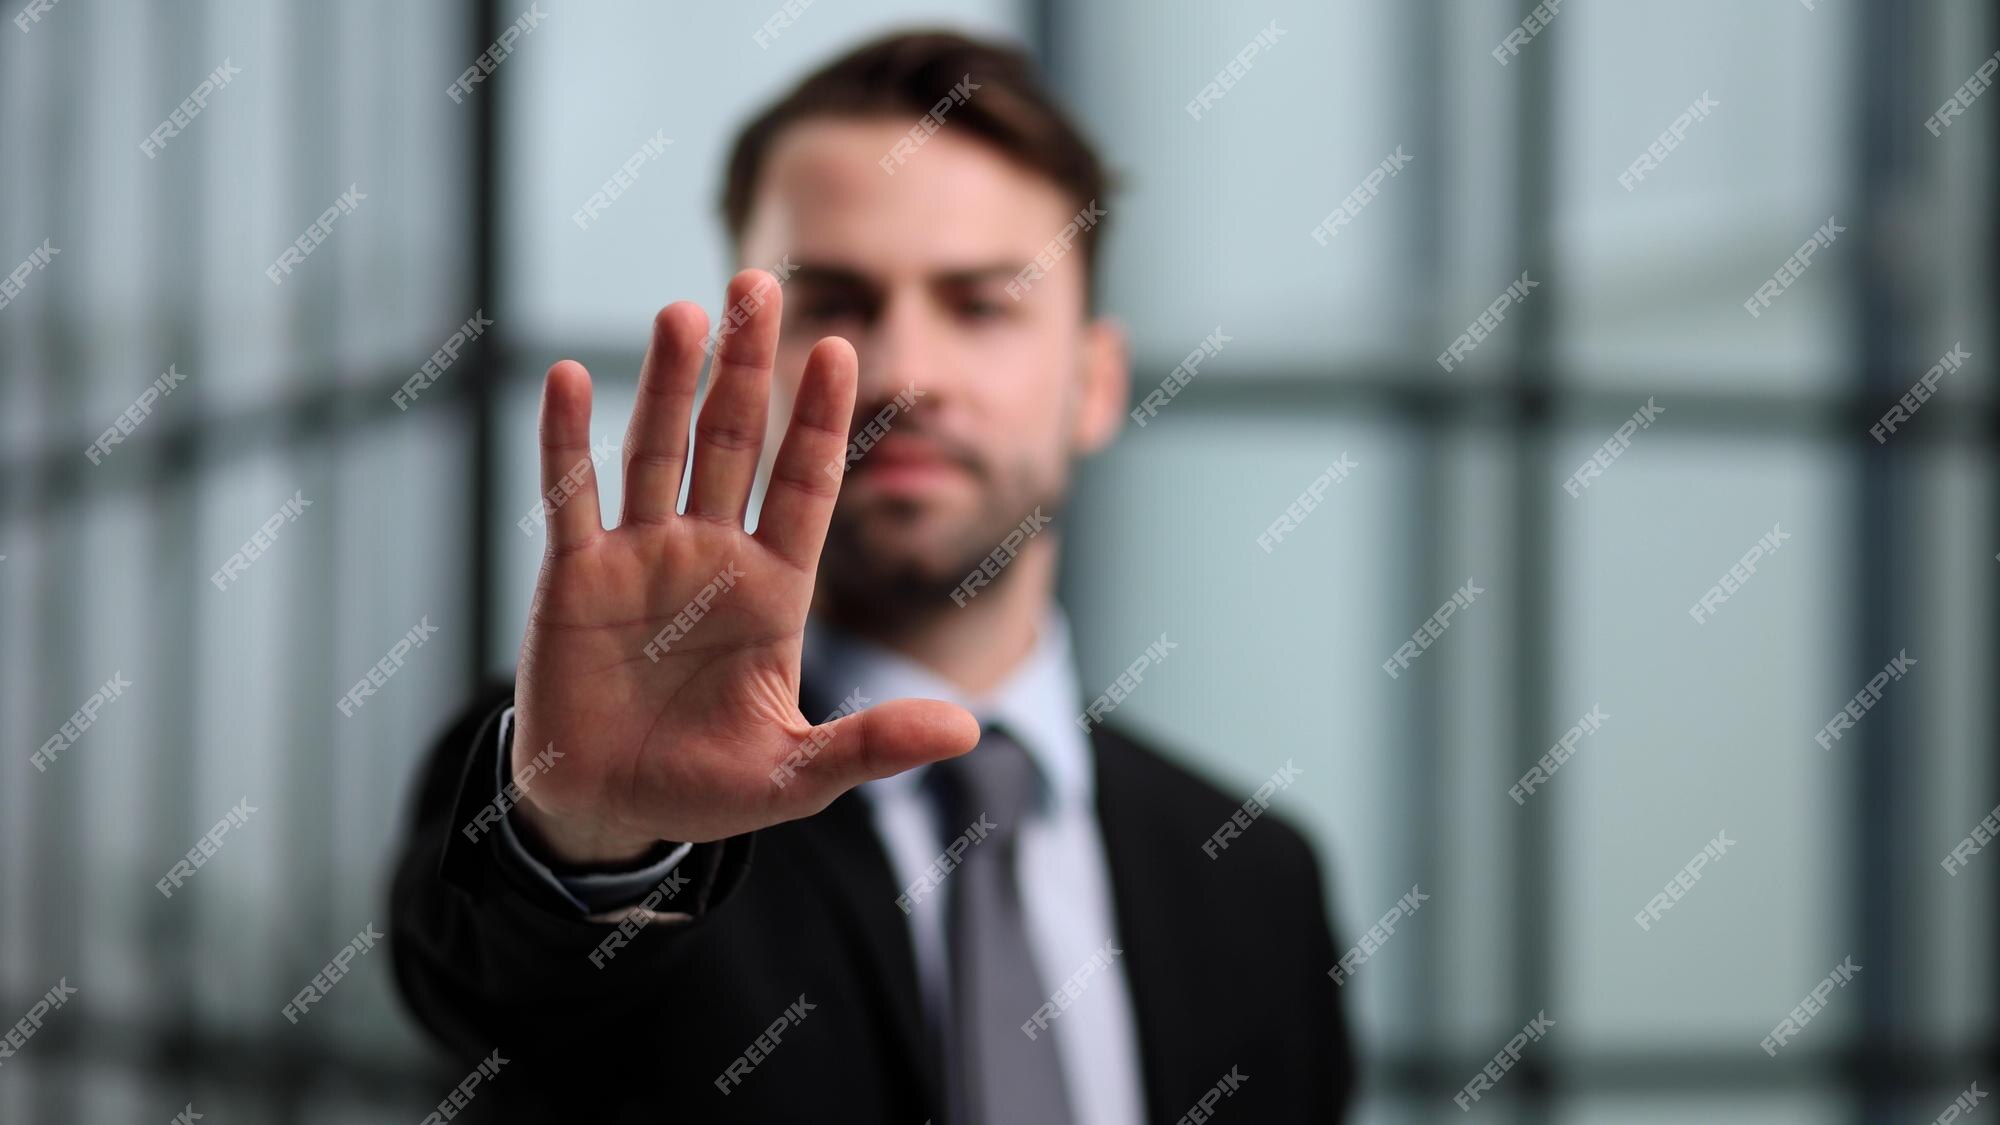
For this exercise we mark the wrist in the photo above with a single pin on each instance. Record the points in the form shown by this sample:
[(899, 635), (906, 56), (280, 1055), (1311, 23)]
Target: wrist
[(578, 843)]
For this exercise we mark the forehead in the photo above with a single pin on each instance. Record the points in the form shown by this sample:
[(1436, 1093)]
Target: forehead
[(953, 202)]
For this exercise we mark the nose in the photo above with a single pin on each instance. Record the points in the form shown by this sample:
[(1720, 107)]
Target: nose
[(908, 347)]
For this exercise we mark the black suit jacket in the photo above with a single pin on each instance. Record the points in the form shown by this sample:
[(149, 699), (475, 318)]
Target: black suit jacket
[(1228, 962)]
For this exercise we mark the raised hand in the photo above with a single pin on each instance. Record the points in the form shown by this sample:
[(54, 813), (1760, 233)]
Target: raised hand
[(662, 657)]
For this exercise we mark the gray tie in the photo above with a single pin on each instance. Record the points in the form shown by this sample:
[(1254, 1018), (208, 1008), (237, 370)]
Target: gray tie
[(994, 1073)]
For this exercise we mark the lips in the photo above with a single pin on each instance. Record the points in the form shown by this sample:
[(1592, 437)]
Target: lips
[(906, 464), (906, 452)]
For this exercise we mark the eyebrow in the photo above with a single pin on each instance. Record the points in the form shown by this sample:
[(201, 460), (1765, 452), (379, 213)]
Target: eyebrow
[(831, 275)]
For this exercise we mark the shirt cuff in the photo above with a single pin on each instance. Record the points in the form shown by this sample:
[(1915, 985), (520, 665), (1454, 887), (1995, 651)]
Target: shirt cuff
[(593, 893)]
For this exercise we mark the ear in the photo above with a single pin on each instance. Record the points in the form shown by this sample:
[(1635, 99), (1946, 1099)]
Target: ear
[(1106, 391)]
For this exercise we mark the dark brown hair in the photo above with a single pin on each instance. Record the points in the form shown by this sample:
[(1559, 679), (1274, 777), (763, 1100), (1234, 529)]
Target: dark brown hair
[(904, 75)]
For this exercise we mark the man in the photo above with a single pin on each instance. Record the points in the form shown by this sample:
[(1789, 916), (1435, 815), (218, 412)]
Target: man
[(705, 860)]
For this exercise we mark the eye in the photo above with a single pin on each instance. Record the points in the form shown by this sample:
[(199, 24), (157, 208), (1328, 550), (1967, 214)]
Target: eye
[(831, 306), (981, 308)]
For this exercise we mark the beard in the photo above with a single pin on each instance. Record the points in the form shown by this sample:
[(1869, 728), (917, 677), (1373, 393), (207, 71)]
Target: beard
[(889, 560)]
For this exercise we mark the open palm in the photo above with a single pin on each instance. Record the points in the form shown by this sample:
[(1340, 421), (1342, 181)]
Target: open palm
[(661, 658)]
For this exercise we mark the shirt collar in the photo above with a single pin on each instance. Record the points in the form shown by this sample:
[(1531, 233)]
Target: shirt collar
[(1037, 703)]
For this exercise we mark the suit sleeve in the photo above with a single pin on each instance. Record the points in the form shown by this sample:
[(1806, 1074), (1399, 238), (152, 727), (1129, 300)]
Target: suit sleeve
[(1335, 1090), (486, 949)]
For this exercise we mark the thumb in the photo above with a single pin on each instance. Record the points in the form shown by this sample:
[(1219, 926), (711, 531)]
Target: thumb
[(889, 738)]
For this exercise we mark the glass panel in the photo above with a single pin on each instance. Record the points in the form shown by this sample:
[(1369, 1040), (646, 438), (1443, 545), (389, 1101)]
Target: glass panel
[(590, 87), (1164, 538), (1659, 249), (1709, 729)]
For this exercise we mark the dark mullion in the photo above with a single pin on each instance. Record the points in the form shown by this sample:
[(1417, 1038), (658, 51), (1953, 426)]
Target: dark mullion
[(1536, 1084), (175, 510), (1881, 783), (1425, 787), (174, 448), (64, 823), (484, 371), (1991, 1048)]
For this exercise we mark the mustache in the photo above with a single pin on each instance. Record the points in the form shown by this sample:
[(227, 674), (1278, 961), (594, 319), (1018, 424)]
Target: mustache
[(885, 421)]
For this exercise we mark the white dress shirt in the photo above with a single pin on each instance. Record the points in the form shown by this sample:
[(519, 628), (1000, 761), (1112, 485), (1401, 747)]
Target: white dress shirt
[(1065, 877)]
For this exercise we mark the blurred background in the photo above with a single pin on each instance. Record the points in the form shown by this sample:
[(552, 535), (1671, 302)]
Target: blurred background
[(466, 206)]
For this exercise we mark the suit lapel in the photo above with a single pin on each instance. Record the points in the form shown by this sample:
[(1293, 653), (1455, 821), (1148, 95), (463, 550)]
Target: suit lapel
[(1151, 917), (842, 845)]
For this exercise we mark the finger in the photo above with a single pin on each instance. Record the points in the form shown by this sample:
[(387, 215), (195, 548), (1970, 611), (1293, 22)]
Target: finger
[(730, 432), (657, 441), (569, 480), (806, 477), (885, 739)]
